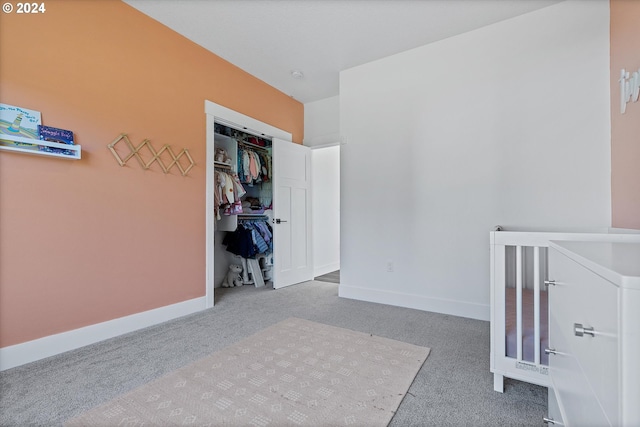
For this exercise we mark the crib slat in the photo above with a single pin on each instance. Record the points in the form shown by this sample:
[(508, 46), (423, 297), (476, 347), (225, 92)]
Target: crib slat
[(519, 273), (536, 304)]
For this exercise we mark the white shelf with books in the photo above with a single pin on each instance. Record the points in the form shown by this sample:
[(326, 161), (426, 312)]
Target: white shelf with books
[(33, 146), (22, 131)]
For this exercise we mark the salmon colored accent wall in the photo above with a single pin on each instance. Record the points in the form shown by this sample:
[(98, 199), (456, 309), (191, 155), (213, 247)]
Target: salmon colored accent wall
[(625, 128), (86, 241)]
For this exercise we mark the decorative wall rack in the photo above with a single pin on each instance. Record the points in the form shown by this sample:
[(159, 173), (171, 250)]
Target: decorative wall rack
[(156, 155)]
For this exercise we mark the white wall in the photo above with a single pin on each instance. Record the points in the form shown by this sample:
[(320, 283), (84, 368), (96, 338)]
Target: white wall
[(508, 124), (325, 170), (322, 134), (322, 122)]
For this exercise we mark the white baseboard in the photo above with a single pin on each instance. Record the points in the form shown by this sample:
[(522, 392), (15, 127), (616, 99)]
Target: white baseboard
[(51, 345), (623, 230), (328, 268), (418, 302)]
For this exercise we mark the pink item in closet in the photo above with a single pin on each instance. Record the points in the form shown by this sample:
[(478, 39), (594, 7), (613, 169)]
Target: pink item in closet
[(253, 167)]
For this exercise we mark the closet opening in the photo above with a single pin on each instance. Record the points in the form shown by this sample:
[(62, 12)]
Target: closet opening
[(243, 207), (258, 186)]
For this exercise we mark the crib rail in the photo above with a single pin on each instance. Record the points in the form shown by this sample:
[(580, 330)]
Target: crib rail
[(520, 275), (517, 367), (524, 254)]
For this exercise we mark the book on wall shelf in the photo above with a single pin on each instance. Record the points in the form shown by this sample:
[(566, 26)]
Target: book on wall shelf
[(51, 134), (20, 126)]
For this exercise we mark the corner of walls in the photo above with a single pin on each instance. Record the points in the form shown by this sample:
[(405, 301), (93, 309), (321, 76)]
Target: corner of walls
[(322, 122), (625, 128)]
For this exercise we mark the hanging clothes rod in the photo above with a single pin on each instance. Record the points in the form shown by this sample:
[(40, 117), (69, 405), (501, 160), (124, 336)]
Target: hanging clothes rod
[(252, 217), (252, 146), (240, 128)]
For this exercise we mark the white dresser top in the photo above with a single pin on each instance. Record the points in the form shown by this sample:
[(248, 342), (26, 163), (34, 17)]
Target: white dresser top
[(617, 262)]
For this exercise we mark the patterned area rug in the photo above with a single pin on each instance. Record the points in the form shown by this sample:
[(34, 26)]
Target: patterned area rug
[(296, 372)]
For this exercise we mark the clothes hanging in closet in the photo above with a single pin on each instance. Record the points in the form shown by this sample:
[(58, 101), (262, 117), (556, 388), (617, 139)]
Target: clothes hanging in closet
[(253, 166), (228, 191), (251, 238)]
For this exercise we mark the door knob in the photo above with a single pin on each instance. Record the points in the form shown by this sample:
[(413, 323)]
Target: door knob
[(580, 330)]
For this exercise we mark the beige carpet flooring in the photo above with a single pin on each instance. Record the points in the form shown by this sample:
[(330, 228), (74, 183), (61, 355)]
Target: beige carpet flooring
[(294, 373)]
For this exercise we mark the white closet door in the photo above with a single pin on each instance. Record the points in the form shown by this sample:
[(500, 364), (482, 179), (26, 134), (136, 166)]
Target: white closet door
[(292, 250)]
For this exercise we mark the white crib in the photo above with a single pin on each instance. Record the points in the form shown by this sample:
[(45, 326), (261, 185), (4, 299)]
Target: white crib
[(519, 315)]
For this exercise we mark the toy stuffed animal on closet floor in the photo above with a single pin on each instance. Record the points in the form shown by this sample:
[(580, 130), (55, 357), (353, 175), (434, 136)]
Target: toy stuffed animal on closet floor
[(233, 277)]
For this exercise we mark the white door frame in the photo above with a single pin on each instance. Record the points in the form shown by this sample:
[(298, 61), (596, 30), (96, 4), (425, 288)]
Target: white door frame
[(218, 113)]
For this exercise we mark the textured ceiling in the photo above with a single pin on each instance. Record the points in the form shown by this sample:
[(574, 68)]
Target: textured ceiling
[(271, 38)]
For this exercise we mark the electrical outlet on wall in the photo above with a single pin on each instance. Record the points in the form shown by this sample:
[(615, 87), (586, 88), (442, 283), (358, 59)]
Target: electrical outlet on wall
[(390, 266)]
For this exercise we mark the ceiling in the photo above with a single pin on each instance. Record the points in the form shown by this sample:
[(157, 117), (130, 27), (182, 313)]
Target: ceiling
[(271, 38)]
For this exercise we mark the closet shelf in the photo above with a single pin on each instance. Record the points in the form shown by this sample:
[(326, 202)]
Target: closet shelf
[(75, 149), (222, 165)]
